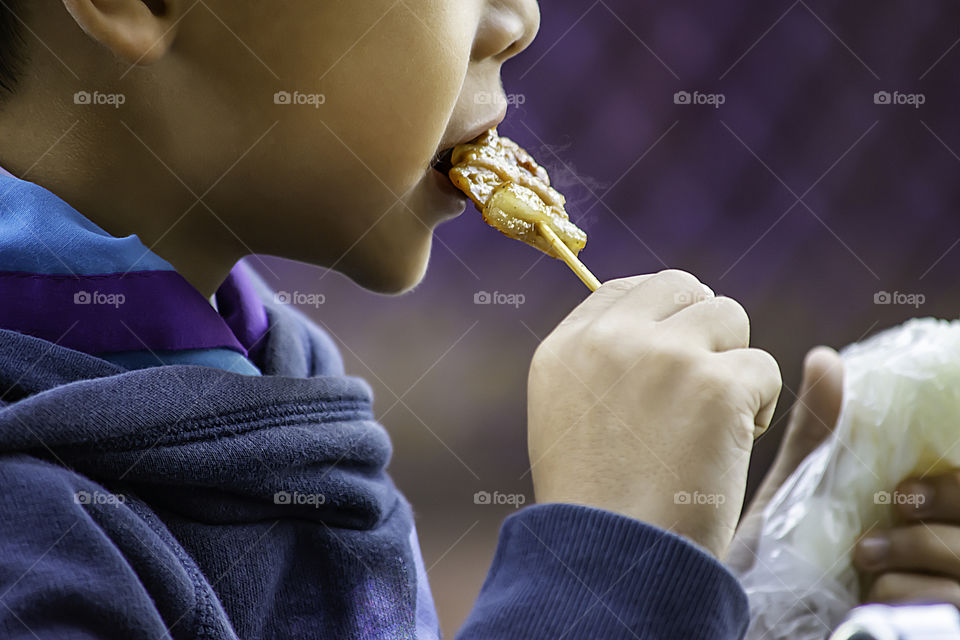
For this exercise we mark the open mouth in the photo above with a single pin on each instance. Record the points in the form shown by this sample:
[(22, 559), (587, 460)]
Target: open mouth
[(441, 162)]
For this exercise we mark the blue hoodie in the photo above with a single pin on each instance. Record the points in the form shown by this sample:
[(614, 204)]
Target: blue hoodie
[(190, 501)]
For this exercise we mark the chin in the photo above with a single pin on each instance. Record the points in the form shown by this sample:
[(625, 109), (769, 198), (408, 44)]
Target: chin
[(392, 274)]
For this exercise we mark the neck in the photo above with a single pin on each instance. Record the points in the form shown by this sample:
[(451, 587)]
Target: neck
[(135, 195)]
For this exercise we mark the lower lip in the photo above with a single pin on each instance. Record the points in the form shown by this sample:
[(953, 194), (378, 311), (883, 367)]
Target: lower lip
[(451, 202)]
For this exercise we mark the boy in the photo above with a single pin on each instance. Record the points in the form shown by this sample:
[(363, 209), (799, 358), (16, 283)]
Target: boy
[(183, 458)]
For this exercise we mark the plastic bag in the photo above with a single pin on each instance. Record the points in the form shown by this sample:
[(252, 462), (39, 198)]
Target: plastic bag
[(900, 417)]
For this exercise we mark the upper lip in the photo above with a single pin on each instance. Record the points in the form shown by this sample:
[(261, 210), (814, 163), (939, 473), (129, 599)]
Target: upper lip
[(466, 135)]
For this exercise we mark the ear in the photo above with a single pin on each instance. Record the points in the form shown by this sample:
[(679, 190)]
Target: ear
[(136, 31)]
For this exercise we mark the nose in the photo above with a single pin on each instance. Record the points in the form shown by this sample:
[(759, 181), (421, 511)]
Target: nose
[(507, 28)]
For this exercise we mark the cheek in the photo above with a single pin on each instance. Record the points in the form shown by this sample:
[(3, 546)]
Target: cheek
[(389, 83), (390, 99)]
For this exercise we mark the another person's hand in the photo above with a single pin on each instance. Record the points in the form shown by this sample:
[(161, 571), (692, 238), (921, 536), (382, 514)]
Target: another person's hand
[(919, 560), (646, 400)]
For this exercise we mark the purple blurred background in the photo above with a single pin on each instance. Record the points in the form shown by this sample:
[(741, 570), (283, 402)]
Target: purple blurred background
[(799, 196)]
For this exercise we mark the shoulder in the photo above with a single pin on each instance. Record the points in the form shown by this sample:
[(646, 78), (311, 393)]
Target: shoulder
[(75, 556)]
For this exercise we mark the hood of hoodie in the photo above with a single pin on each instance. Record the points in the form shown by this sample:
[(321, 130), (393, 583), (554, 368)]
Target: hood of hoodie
[(214, 446)]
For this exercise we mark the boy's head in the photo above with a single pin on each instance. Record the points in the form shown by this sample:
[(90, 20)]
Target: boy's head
[(307, 127)]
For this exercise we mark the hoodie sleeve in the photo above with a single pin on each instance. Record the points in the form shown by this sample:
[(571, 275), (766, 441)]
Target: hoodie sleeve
[(563, 570)]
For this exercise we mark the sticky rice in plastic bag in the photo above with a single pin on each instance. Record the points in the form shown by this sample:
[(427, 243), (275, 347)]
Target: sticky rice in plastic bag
[(900, 417)]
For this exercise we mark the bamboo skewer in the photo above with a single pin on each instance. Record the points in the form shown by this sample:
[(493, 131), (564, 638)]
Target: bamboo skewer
[(562, 250)]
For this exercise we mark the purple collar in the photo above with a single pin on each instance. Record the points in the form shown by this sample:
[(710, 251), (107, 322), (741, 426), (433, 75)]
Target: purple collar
[(65, 280), (242, 310)]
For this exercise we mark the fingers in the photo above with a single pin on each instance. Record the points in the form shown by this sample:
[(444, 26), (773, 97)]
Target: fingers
[(675, 298), (816, 410), (933, 548), (902, 554), (932, 499), (663, 294), (601, 299), (909, 588), (728, 323), (759, 371)]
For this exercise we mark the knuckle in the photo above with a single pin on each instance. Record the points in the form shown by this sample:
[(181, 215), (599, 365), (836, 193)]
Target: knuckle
[(732, 313), (621, 284), (674, 273), (680, 280), (601, 334), (731, 317), (769, 364)]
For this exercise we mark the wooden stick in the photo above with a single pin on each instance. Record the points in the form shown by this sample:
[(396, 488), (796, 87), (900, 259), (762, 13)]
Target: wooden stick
[(568, 256)]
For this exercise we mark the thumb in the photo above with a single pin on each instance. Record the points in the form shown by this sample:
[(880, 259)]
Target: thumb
[(816, 410)]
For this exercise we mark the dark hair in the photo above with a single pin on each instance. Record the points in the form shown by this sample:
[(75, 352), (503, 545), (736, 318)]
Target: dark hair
[(11, 43)]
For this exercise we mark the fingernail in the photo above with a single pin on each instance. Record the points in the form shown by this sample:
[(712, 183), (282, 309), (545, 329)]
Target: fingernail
[(916, 497), (872, 551)]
